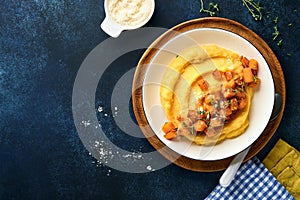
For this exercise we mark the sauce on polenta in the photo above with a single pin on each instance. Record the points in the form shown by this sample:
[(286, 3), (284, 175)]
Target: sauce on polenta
[(206, 94)]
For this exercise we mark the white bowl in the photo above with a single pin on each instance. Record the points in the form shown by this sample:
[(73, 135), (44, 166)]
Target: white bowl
[(114, 29), (262, 102)]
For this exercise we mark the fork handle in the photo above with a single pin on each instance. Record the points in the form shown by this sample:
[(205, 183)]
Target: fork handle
[(230, 172)]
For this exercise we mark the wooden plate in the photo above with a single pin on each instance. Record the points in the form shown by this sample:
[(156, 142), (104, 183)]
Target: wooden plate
[(210, 22)]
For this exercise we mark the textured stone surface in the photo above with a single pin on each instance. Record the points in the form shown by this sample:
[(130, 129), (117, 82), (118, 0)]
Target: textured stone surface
[(43, 44)]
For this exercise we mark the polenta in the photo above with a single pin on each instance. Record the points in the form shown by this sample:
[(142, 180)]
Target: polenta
[(206, 93)]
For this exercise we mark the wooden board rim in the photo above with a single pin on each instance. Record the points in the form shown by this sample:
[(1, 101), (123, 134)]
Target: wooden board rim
[(208, 22)]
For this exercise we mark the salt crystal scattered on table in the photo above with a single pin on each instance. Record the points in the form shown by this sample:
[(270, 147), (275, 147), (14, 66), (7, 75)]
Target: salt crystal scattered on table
[(108, 172), (86, 123), (100, 109)]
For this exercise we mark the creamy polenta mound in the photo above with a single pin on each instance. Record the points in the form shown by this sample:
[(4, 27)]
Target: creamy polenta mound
[(206, 94)]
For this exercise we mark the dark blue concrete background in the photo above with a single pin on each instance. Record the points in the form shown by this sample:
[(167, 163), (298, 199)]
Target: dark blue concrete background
[(43, 44)]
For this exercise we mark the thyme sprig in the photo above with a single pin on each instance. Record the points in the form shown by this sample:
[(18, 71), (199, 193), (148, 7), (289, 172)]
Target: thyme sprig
[(212, 9), (254, 8)]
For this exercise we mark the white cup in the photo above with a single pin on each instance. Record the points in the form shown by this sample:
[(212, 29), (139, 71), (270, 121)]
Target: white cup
[(114, 29)]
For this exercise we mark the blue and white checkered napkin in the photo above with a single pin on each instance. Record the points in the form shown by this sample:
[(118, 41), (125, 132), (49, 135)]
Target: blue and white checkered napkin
[(252, 181)]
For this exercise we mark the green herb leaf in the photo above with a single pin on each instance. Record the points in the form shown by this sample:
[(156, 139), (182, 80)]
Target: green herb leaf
[(185, 125), (276, 32), (228, 102), (212, 101), (201, 112), (214, 6), (275, 20), (255, 79), (192, 130), (279, 43)]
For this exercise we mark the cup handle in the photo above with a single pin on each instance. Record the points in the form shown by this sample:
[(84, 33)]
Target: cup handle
[(111, 28)]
